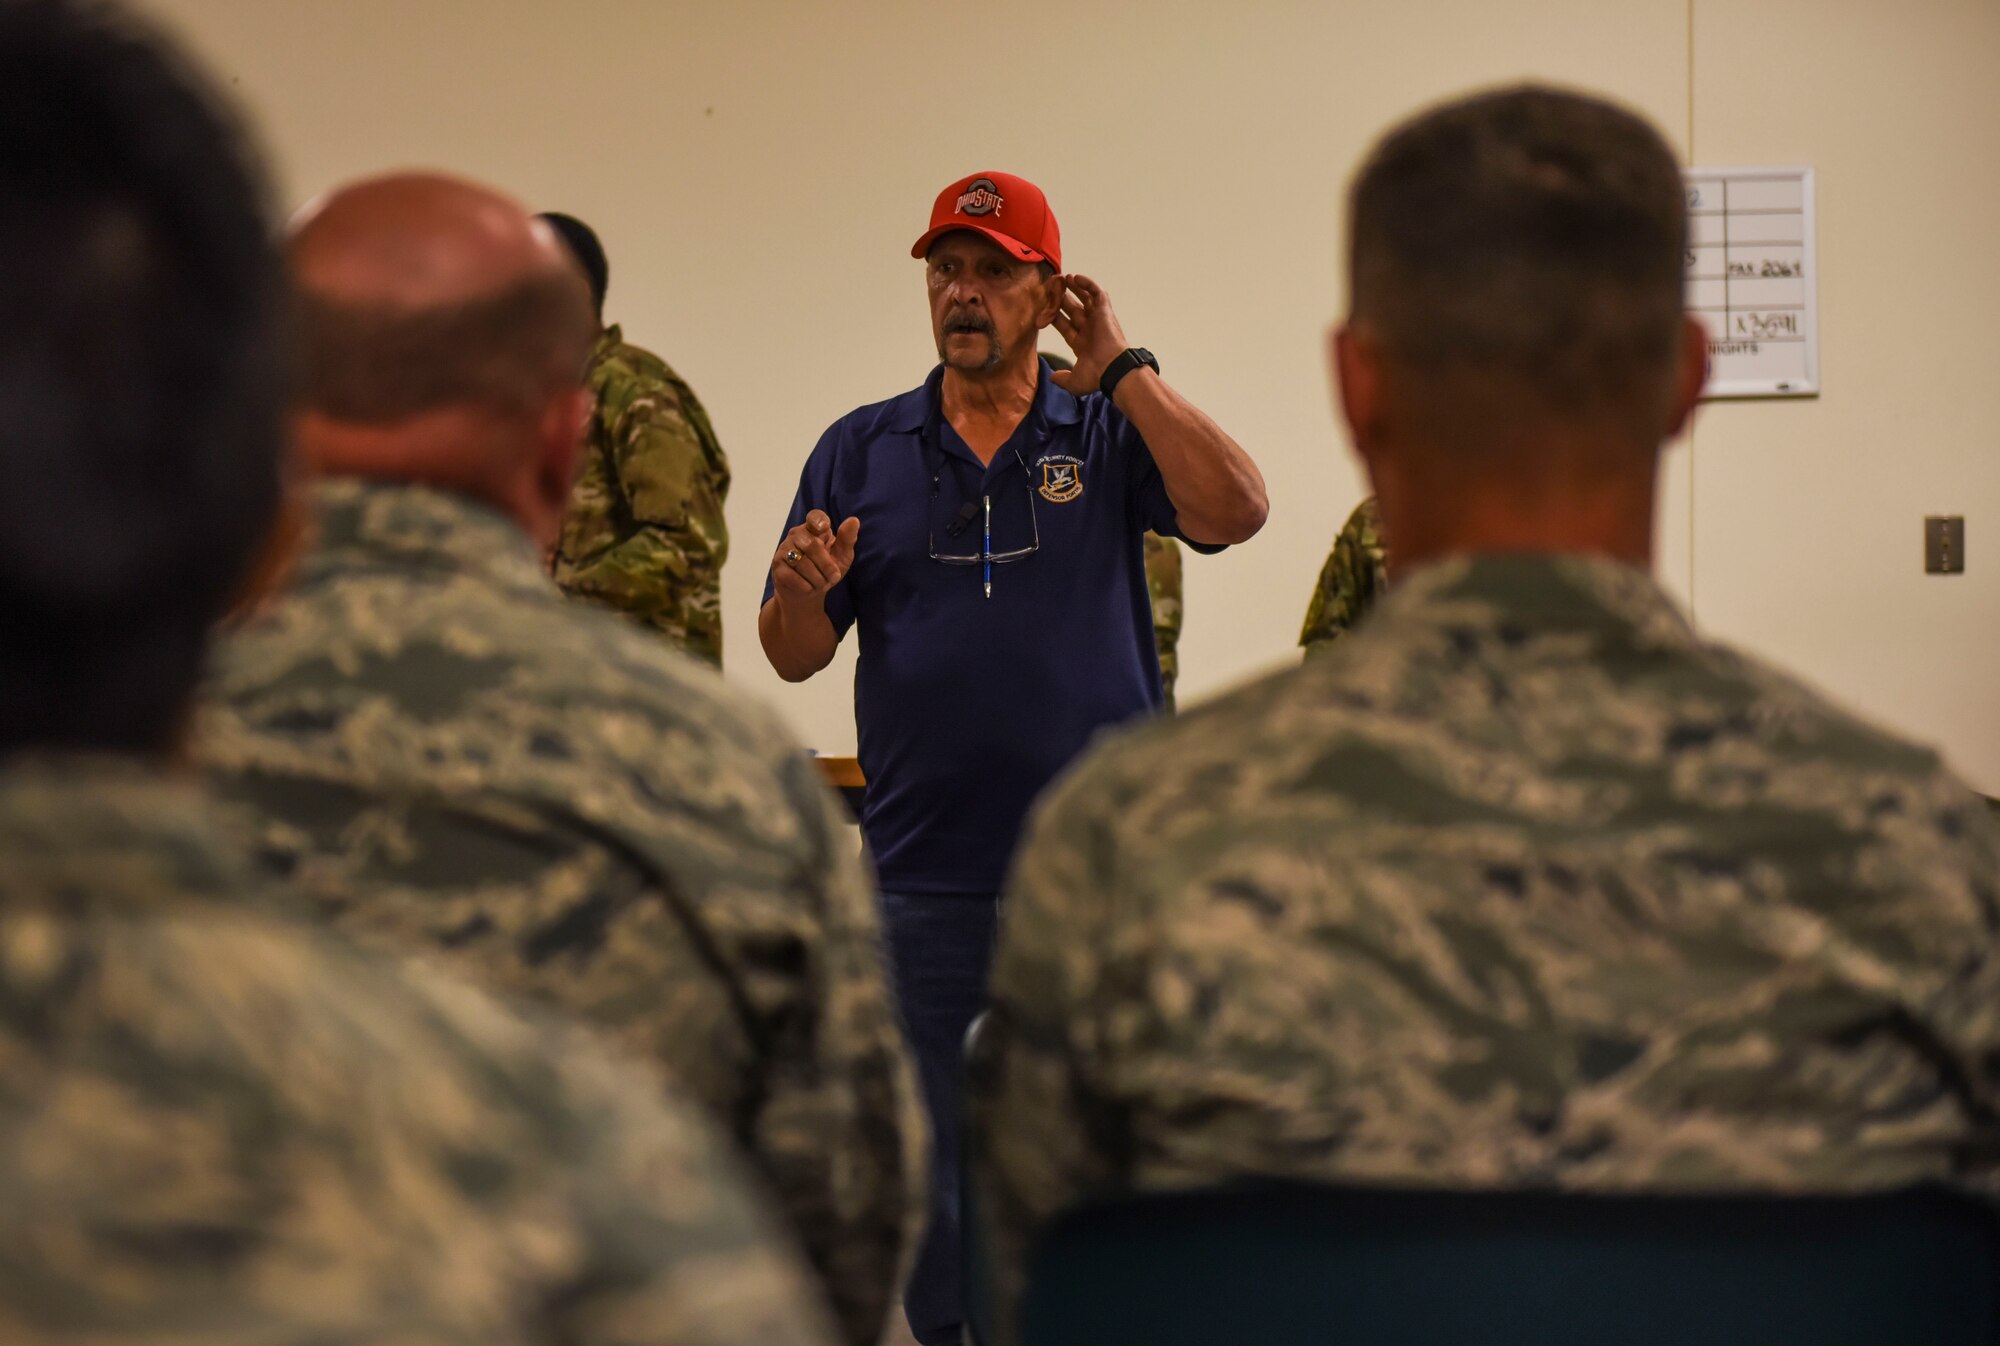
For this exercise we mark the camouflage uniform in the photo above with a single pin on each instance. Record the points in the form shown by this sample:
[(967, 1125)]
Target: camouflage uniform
[(1521, 884), (217, 1127), (1163, 584), (645, 533), (446, 754), (1356, 573)]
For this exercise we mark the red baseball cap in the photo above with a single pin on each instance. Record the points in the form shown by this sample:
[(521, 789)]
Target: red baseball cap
[(1009, 210)]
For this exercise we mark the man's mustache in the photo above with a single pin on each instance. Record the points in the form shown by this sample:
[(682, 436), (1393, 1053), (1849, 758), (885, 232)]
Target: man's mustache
[(966, 321)]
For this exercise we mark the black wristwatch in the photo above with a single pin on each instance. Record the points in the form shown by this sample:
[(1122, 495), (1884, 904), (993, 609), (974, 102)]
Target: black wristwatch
[(1128, 360)]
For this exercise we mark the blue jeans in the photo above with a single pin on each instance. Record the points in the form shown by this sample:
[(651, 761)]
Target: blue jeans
[(940, 949)]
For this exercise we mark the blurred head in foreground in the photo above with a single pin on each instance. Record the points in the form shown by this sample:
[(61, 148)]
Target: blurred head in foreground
[(141, 380)]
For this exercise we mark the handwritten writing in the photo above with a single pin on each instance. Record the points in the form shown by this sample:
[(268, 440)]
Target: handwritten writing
[(1765, 325)]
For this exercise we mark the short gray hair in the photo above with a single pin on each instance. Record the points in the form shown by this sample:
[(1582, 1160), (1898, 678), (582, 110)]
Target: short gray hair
[(1529, 235)]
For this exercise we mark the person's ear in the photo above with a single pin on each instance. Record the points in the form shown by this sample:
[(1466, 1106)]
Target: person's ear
[(1052, 297), (1358, 380), (1690, 374)]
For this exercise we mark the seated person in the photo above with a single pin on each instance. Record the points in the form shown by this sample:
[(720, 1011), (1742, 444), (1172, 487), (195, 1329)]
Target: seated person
[(1524, 882), (450, 757), (217, 1127)]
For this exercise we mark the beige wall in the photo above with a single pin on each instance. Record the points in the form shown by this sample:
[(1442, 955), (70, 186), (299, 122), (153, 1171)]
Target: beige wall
[(1808, 515), (758, 169)]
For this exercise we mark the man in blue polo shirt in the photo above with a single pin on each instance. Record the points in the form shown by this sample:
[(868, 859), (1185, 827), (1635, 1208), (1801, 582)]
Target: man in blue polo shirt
[(989, 547)]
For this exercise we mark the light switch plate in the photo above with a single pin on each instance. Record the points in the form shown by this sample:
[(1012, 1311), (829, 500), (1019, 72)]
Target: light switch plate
[(1944, 544)]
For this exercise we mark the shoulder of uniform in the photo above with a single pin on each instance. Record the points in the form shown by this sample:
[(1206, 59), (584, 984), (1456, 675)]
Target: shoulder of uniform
[(540, 1087), (1365, 523), (680, 694), (1822, 725), (627, 375), (625, 357)]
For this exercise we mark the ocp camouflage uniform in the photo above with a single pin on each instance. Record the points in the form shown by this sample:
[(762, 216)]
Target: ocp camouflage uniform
[(1522, 884), (218, 1127), (445, 754), (1163, 585), (645, 534), (1356, 573)]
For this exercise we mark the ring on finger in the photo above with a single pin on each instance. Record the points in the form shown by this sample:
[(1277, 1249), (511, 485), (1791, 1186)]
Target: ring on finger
[(792, 556)]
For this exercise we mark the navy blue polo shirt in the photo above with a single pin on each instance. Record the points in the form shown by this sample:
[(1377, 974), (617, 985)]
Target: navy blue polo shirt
[(967, 707)]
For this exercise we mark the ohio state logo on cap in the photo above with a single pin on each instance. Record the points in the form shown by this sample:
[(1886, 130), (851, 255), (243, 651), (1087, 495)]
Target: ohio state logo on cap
[(1009, 210), (981, 197)]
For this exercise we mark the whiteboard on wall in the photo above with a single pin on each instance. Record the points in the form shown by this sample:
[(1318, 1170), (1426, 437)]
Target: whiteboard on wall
[(1753, 279)]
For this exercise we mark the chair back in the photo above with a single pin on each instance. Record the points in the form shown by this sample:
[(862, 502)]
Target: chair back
[(1296, 1264)]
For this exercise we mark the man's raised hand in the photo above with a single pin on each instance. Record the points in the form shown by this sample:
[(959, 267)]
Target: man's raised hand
[(813, 557), (1085, 320)]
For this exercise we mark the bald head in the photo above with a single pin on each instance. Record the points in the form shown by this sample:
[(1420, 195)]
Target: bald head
[(418, 240), (443, 335), (421, 292)]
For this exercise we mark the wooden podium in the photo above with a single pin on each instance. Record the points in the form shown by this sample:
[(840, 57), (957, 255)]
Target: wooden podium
[(844, 775)]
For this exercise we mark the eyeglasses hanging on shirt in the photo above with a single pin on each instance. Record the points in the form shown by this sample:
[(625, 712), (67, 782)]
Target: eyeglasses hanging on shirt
[(976, 507)]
